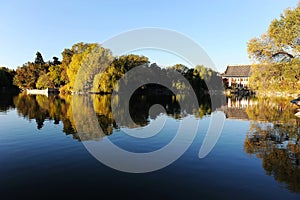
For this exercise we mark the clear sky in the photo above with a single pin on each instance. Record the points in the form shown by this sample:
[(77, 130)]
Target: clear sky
[(221, 27)]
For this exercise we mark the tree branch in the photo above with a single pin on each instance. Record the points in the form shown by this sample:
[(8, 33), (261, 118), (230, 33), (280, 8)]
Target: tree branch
[(283, 53)]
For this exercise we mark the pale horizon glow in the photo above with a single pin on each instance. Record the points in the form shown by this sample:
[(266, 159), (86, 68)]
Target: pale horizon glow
[(221, 28)]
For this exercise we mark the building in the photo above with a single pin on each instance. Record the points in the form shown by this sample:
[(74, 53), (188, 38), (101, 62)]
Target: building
[(237, 75)]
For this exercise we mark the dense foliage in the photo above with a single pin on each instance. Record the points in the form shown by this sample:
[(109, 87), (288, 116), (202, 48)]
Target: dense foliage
[(6, 77), (90, 67), (276, 54), (38, 74)]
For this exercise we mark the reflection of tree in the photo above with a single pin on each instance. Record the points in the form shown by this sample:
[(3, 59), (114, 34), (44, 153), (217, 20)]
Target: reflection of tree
[(271, 110), (40, 108), (102, 106), (6, 102), (278, 146), (58, 109), (28, 107), (276, 143)]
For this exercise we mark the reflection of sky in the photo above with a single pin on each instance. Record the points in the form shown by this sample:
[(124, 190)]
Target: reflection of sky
[(8, 120), (151, 129), (161, 135), (47, 159)]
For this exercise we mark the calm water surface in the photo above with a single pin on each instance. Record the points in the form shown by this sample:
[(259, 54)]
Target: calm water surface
[(42, 155)]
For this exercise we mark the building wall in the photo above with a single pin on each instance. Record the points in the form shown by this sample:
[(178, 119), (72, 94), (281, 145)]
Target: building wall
[(241, 81)]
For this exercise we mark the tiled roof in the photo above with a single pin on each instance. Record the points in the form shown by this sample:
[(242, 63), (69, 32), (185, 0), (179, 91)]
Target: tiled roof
[(238, 71)]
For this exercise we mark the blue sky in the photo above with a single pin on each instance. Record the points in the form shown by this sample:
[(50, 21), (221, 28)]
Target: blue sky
[(221, 27)]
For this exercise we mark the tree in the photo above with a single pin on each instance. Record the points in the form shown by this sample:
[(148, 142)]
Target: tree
[(277, 54), (27, 75), (79, 53), (55, 75), (105, 81), (44, 82), (179, 68), (39, 58), (6, 77), (56, 61), (67, 55), (281, 42), (96, 61)]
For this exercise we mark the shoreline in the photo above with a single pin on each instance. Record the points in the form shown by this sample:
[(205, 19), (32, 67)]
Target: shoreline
[(278, 94)]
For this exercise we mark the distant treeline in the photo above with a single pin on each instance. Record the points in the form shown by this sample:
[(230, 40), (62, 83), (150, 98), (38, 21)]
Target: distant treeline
[(100, 78)]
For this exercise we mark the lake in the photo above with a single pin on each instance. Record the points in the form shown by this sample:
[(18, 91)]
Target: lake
[(43, 155)]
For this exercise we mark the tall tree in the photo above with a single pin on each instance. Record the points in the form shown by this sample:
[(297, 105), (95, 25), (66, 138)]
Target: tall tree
[(80, 53), (277, 53), (39, 58), (56, 61), (281, 42)]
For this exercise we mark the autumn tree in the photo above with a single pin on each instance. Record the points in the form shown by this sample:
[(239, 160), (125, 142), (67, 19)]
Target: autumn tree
[(106, 81), (37, 75), (179, 68), (44, 82), (27, 75), (79, 53), (95, 62), (276, 54)]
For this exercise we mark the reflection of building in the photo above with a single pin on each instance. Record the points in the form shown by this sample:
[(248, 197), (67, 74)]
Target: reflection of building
[(237, 75), (240, 102), (236, 108)]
